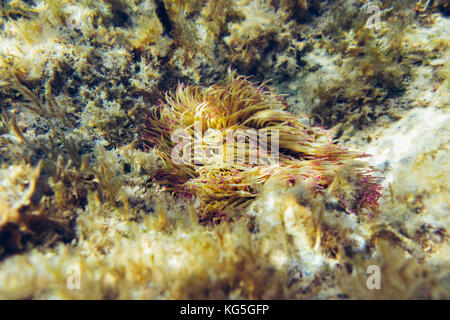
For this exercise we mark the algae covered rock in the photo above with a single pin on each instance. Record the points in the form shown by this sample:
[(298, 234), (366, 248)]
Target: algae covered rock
[(98, 200)]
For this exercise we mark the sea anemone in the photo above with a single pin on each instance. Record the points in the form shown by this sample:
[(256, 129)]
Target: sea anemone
[(223, 143)]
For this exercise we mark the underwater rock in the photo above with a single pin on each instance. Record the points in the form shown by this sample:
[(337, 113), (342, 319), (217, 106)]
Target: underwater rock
[(80, 86)]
